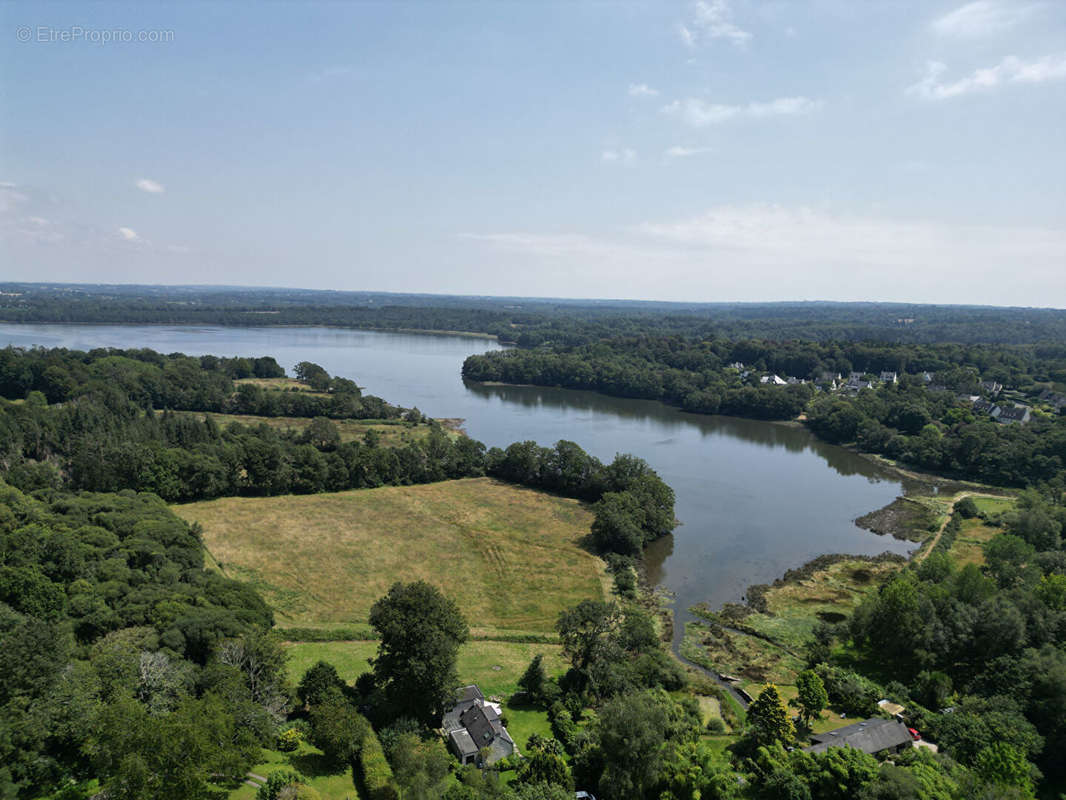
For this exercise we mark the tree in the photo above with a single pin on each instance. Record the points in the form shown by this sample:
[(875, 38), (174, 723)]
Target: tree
[(545, 764), (421, 631), (532, 680), (317, 683), (812, 697), (1003, 764), (584, 629), (768, 720), (630, 732), (337, 729), (420, 767)]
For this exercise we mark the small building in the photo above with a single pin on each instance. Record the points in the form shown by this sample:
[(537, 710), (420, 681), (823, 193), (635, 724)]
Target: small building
[(992, 387), (1009, 415), (474, 726), (873, 736), (774, 380), (889, 377), (982, 406)]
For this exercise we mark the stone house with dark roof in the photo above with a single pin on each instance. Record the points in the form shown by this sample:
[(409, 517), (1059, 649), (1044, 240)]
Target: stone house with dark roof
[(475, 732), (873, 736)]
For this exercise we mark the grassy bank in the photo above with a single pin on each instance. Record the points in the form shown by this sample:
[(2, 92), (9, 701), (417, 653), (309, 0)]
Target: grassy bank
[(510, 557), (392, 433)]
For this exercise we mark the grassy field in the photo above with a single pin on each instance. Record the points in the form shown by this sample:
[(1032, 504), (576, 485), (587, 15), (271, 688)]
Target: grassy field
[(393, 433), (968, 547), (510, 557), (278, 384)]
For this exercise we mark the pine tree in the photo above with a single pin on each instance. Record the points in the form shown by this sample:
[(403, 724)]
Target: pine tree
[(768, 718)]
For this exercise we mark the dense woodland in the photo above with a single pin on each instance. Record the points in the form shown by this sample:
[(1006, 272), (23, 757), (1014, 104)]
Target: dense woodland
[(529, 322)]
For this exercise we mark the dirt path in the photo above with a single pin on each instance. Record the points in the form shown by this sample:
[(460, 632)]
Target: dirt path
[(932, 543)]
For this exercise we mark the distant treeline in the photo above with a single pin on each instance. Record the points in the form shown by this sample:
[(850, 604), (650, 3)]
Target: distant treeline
[(529, 322)]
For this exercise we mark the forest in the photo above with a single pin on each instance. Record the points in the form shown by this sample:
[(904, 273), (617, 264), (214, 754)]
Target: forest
[(529, 322)]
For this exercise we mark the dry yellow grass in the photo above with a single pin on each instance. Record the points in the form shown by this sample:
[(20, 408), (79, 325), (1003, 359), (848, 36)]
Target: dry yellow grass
[(509, 556)]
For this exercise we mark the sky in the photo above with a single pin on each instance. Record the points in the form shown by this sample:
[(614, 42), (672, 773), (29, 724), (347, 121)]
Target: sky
[(717, 150)]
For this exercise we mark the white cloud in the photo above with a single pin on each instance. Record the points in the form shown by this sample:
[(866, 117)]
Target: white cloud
[(150, 186), (1008, 71), (10, 197), (618, 156), (712, 19), (678, 151), (982, 18), (770, 252), (642, 90), (129, 235), (699, 113)]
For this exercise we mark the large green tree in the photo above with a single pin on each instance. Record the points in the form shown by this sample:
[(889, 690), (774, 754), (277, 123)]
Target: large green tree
[(421, 630), (768, 720)]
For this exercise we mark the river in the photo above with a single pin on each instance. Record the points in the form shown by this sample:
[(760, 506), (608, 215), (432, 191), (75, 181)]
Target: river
[(754, 498)]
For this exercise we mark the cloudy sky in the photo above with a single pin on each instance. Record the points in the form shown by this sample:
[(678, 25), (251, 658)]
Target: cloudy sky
[(713, 150)]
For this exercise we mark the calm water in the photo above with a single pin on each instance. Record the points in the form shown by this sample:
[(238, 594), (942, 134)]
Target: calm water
[(754, 498)]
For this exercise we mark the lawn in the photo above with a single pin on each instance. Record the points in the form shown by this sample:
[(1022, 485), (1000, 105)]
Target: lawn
[(392, 433), (510, 557), (332, 783), (494, 666)]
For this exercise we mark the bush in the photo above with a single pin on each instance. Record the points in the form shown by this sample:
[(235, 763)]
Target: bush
[(967, 508), (374, 771), (289, 740), (715, 726)]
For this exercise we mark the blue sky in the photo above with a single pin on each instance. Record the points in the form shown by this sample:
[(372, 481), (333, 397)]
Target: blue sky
[(717, 150)]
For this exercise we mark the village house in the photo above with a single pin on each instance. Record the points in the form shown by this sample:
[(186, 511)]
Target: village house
[(775, 380), (873, 736), (982, 406), (475, 731), (1053, 399), (889, 377), (992, 387), (1008, 415)]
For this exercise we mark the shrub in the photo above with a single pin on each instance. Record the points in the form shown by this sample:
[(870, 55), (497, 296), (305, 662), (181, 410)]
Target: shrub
[(289, 740), (715, 726), (967, 508), (374, 771)]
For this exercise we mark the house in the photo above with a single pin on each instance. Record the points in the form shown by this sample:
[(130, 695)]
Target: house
[(927, 377), (738, 366), (473, 726), (1011, 414), (873, 736), (992, 387), (775, 380), (982, 406), (889, 377), (1053, 399)]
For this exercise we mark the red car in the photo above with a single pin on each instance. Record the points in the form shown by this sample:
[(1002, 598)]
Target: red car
[(914, 734)]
